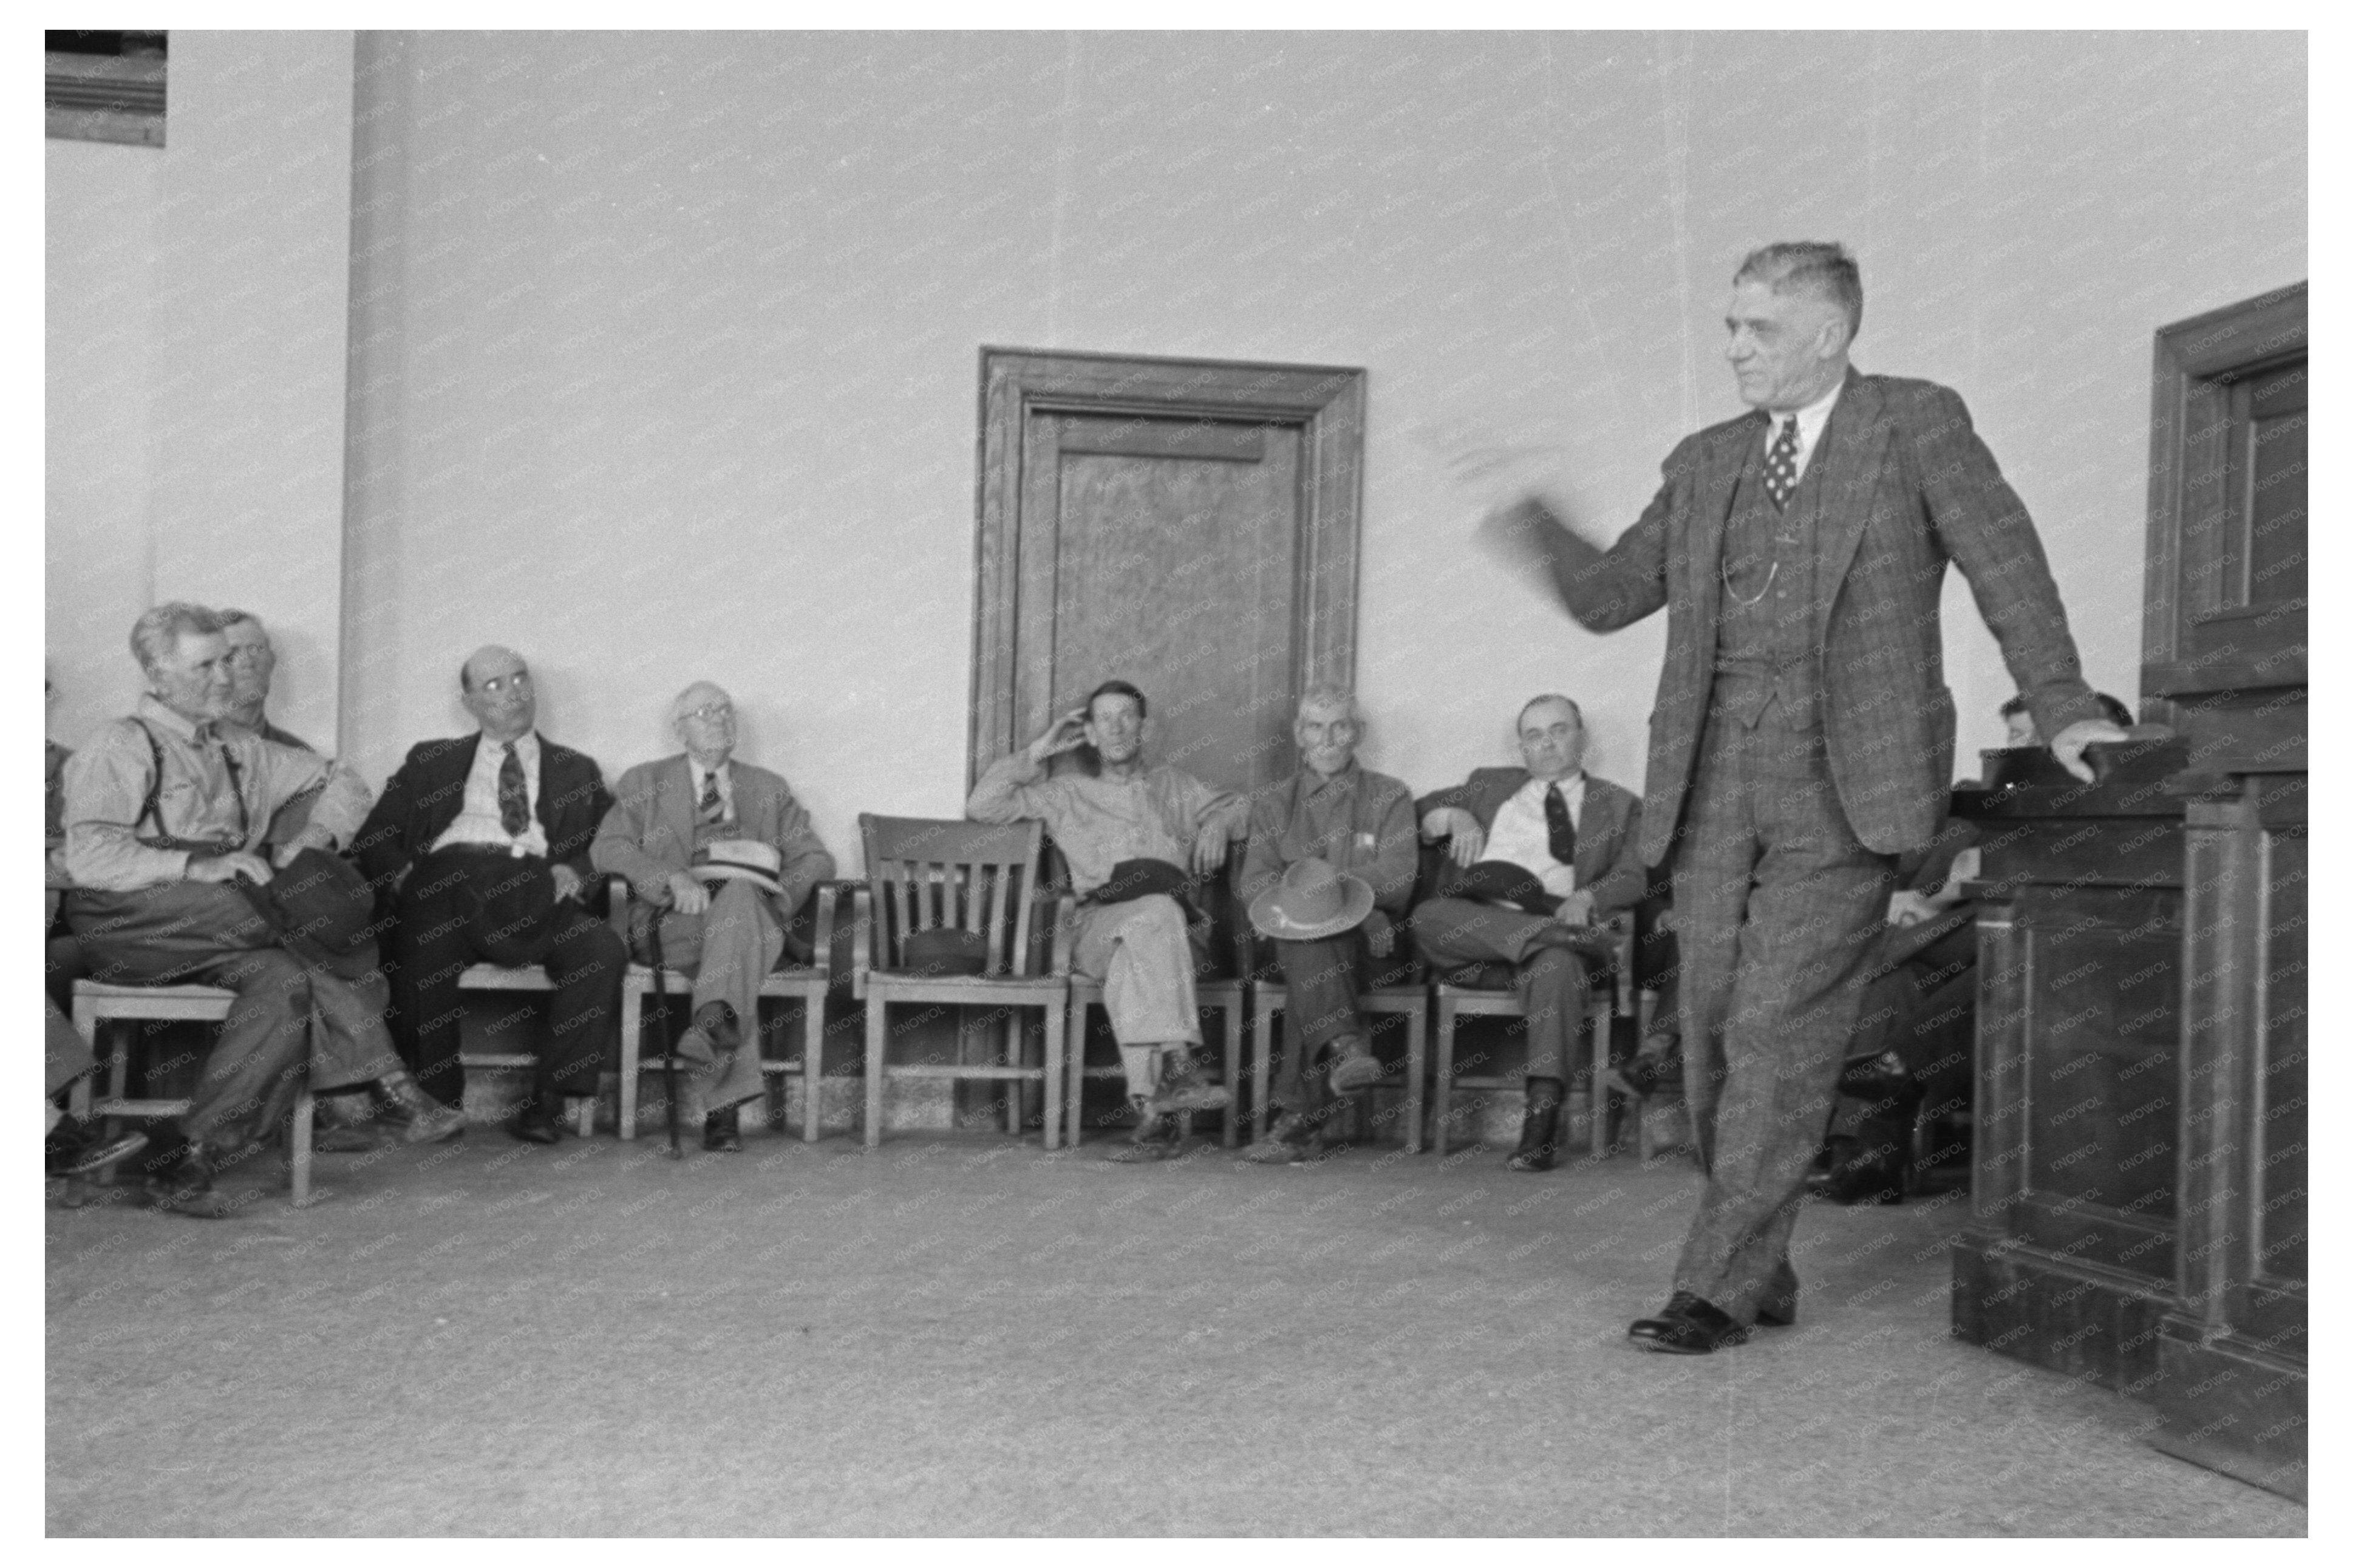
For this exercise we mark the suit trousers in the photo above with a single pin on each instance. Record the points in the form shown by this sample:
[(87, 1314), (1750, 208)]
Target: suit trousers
[(1776, 908), (1457, 934), (1322, 980), (728, 949), (459, 908), (206, 933), (1142, 950)]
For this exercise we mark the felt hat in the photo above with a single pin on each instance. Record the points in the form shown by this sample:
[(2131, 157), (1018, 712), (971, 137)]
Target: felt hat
[(321, 908), (740, 860), (1504, 882), (1310, 901), (1140, 879)]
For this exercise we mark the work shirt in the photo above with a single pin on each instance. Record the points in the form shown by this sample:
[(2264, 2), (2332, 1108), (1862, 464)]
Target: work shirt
[(108, 782), (1520, 834), (1098, 823), (477, 821), (1358, 821)]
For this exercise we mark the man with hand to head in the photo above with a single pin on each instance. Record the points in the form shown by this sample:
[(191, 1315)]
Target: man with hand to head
[(483, 843), (722, 855), (1536, 856), (1126, 831)]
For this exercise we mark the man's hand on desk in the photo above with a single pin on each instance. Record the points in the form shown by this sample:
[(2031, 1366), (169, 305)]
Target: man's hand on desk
[(2068, 745)]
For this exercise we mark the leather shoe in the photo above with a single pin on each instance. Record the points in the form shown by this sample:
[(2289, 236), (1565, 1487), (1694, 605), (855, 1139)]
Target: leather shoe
[(187, 1189), (534, 1124), (1880, 1078), (719, 1133), (1354, 1069), (97, 1155), (1292, 1141), (1777, 1317), (1686, 1326)]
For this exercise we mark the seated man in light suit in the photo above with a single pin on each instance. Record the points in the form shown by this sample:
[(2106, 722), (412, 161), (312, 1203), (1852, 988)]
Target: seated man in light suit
[(1358, 825), (1576, 835), (728, 927), (481, 846), (1140, 947), (164, 813)]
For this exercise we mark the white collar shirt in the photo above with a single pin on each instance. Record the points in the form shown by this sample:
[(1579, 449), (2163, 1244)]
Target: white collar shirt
[(1810, 420), (1519, 833), (696, 773), (478, 820)]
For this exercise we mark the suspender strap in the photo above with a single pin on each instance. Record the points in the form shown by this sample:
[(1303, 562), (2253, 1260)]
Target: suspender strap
[(150, 807)]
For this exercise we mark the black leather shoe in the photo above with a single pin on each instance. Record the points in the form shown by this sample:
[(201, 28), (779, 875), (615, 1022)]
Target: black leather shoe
[(720, 1135), (1880, 1078), (1537, 1149), (537, 1124), (1686, 1326), (1867, 1182), (1777, 1317)]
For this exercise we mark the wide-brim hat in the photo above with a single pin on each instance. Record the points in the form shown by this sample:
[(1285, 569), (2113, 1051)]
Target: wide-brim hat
[(320, 908), (1313, 900), (1504, 882), (740, 860)]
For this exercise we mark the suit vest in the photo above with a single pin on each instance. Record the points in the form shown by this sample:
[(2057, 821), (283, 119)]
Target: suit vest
[(1764, 632)]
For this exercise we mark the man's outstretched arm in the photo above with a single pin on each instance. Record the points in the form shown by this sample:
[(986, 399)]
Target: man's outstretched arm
[(1603, 590)]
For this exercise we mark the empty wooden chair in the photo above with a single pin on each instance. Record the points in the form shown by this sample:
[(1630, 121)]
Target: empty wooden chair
[(937, 875)]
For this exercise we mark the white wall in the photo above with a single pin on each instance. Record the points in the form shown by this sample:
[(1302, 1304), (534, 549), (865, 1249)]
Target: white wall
[(664, 356), (197, 326)]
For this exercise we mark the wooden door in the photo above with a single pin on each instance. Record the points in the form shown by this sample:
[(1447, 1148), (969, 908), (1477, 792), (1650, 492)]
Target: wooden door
[(1187, 526)]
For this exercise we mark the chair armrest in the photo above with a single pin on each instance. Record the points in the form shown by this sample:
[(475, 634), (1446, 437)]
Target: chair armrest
[(828, 904), (861, 938)]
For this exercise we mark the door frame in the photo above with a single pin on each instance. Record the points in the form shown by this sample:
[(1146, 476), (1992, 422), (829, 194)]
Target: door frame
[(1325, 403)]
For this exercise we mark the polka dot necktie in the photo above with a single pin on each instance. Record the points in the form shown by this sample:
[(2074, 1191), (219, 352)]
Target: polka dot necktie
[(1781, 464)]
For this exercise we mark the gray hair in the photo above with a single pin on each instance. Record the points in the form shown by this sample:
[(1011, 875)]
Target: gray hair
[(679, 707), (1823, 266), (157, 632), (1327, 694)]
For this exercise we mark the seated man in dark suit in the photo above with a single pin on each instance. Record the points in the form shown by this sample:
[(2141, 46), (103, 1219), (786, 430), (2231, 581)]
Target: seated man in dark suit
[(482, 843), (709, 810), (1348, 820), (1574, 836)]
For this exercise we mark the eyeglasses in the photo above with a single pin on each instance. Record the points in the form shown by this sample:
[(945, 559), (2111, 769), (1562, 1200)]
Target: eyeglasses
[(518, 681), (710, 713)]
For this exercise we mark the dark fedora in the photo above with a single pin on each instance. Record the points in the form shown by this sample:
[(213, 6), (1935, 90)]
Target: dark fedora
[(1140, 879), (1505, 882), (945, 950), (321, 910), (1311, 901)]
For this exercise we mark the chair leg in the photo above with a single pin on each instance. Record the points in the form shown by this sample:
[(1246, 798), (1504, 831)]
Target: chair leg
[(877, 1035), (1445, 1109), (1062, 1075), (812, 1072), (1016, 1025), (1261, 1064), (633, 1027), (1232, 1136), (1597, 1095), (1415, 1065), (584, 1111), (297, 1157)]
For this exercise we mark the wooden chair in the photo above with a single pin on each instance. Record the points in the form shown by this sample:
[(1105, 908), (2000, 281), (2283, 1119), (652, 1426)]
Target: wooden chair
[(806, 983), (1226, 993), (495, 977), (925, 873), (1614, 1000), (96, 1002), (1408, 998)]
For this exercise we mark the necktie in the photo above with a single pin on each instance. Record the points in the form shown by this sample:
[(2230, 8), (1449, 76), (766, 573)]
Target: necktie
[(1559, 830), (515, 796), (1781, 464), (707, 811)]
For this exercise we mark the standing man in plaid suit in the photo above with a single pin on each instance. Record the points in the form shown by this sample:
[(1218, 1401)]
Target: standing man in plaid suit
[(1803, 734)]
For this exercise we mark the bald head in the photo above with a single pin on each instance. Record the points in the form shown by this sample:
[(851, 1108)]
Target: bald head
[(498, 691)]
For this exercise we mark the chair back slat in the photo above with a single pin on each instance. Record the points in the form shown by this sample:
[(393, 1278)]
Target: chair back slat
[(926, 871)]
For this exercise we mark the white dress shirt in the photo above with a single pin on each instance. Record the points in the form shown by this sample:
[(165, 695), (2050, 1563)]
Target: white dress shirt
[(1521, 836), (1810, 420), (478, 820)]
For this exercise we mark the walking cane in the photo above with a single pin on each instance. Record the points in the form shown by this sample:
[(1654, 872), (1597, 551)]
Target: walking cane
[(669, 1050)]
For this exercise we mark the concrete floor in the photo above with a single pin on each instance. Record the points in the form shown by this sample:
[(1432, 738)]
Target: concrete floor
[(964, 1335)]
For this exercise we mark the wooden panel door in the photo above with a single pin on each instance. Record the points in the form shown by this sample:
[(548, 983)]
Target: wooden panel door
[(1189, 527), (1162, 551)]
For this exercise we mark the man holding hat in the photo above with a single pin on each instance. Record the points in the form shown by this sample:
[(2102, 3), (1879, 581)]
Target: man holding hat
[(1536, 857), (722, 855), (1328, 876), (164, 813), (1130, 834)]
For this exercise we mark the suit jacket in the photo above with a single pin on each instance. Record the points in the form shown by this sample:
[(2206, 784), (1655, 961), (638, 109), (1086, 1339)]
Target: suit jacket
[(1609, 862), (650, 831), (1380, 846), (425, 795), (1907, 487)]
